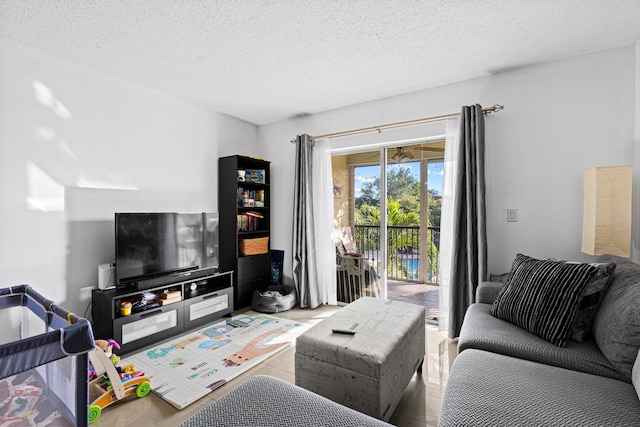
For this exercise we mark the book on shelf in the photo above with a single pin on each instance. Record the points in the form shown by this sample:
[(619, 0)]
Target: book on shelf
[(251, 198), (170, 294), (254, 175), (249, 221), (167, 301)]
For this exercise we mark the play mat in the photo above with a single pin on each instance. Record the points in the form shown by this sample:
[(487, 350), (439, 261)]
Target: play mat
[(187, 368)]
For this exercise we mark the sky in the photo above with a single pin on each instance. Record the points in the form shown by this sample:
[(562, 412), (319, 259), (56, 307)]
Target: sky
[(369, 173)]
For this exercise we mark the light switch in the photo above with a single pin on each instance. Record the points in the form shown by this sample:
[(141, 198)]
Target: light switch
[(512, 215)]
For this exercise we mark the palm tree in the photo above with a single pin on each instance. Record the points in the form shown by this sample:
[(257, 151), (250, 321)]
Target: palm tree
[(402, 239)]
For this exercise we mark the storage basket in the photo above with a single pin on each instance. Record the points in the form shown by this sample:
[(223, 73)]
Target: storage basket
[(259, 245)]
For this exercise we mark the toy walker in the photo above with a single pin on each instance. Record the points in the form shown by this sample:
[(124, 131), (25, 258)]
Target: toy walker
[(108, 385)]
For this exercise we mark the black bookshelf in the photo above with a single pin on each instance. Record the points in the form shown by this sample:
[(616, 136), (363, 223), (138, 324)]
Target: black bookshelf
[(244, 207)]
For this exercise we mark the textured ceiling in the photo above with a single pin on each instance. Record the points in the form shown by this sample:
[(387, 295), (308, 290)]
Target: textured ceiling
[(264, 61)]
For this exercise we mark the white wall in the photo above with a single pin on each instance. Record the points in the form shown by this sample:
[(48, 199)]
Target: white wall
[(559, 119), (77, 145)]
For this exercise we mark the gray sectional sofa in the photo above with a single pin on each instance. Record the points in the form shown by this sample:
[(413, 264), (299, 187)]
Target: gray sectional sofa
[(507, 376), (266, 401)]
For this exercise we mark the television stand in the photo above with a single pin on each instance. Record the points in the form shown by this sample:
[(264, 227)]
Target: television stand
[(196, 302)]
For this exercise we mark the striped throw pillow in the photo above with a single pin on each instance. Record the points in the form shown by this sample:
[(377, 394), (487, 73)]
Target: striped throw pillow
[(542, 296), (591, 298)]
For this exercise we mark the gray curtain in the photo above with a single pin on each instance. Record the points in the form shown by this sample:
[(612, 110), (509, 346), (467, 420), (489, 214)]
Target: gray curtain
[(305, 274), (469, 249)]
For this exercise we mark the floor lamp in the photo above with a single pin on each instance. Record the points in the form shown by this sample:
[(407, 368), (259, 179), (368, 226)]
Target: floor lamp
[(606, 225)]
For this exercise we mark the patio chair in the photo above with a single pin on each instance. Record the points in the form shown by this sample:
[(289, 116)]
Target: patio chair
[(356, 277)]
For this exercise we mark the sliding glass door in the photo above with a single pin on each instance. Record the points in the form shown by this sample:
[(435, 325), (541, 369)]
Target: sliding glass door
[(392, 212)]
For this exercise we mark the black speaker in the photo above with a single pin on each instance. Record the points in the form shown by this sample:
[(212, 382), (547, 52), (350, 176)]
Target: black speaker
[(170, 279)]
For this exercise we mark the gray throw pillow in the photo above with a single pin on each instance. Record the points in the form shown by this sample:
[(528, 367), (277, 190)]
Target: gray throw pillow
[(616, 327), (590, 301), (542, 296), (499, 277)]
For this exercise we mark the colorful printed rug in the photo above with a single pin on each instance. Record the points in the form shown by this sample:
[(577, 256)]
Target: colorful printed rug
[(189, 367)]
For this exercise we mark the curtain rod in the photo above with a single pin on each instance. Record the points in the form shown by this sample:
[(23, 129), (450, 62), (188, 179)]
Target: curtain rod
[(380, 128)]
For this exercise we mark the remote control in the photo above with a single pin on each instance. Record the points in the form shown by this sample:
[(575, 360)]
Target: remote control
[(237, 323), (344, 331)]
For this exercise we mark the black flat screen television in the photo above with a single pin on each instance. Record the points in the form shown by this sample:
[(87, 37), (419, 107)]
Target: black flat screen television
[(150, 245)]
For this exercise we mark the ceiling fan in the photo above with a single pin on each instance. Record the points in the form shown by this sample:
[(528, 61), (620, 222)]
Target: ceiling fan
[(404, 154), (401, 155), (433, 149)]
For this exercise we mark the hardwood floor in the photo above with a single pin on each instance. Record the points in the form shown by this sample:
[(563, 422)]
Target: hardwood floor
[(419, 406)]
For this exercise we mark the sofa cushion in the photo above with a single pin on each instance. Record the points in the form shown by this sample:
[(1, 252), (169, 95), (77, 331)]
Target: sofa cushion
[(270, 402), (617, 325), (480, 330), (487, 292), (542, 296), (488, 389), (635, 375)]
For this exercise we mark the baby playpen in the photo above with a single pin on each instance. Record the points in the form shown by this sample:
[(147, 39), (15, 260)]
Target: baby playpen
[(44, 360)]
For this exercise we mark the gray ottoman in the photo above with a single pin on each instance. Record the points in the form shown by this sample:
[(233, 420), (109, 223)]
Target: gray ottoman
[(367, 371)]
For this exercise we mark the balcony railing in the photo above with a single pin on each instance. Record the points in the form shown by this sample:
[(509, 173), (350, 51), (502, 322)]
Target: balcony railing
[(403, 250)]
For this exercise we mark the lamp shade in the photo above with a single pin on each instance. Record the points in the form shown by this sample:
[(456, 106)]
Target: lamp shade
[(606, 224)]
